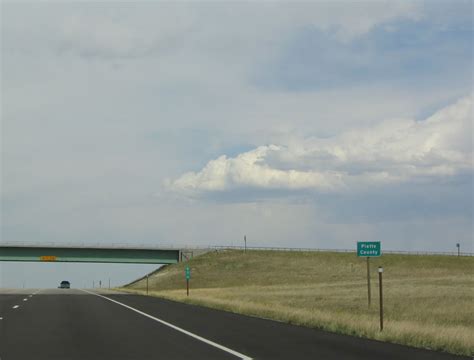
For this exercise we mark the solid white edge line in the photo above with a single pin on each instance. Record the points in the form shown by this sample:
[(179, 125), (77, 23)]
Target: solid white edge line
[(209, 342)]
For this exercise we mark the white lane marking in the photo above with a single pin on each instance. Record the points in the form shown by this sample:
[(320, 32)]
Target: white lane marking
[(1, 318), (209, 342), (16, 306), (25, 299)]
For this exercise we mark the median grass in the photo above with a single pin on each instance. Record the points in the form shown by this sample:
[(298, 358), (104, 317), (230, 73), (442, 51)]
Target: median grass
[(428, 300)]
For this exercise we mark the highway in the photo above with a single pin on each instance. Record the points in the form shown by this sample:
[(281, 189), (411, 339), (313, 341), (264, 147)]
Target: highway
[(83, 324)]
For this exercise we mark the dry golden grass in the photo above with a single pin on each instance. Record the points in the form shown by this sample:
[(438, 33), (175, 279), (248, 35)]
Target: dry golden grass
[(428, 300)]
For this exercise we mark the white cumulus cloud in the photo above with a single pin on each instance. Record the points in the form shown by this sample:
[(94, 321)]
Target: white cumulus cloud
[(394, 151)]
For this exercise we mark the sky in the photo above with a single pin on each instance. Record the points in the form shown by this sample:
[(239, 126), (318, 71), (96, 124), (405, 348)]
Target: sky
[(298, 124)]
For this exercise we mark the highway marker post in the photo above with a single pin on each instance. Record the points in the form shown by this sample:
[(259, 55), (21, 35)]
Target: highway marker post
[(147, 284), (187, 273), (381, 297), (369, 249)]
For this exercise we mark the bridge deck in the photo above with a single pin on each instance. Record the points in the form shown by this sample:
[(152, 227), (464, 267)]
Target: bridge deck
[(89, 254)]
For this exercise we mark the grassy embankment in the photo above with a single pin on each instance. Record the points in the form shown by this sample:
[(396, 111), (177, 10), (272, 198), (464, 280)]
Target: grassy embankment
[(428, 300)]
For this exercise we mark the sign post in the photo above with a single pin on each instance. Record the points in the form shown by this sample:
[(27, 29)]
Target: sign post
[(458, 245), (368, 280), (147, 284), (188, 276), (368, 249), (381, 297)]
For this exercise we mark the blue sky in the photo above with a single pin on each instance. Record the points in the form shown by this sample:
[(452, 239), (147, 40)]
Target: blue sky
[(306, 124), (401, 53)]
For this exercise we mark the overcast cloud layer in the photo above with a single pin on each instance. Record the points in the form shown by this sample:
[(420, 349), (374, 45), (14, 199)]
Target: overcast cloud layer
[(312, 124)]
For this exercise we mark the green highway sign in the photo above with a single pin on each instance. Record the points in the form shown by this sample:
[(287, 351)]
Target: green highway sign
[(369, 248), (188, 273)]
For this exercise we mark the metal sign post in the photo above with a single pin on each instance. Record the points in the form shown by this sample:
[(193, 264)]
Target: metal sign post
[(369, 249), (147, 284), (188, 276), (368, 280), (381, 297)]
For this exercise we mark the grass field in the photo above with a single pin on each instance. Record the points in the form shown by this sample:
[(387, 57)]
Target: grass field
[(428, 300)]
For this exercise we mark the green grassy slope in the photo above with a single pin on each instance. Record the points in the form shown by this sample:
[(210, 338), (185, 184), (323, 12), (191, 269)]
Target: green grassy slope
[(428, 300)]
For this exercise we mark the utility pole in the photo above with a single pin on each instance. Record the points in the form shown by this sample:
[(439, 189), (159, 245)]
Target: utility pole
[(245, 243)]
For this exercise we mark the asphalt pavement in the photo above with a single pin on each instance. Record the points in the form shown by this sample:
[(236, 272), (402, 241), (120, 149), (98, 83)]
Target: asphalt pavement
[(76, 324)]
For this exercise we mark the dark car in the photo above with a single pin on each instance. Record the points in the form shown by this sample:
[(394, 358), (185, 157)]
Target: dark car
[(64, 285)]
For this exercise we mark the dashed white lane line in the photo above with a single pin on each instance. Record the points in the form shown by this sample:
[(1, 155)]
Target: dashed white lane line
[(1, 318), (25, 299), (16, 306), (209, 342)]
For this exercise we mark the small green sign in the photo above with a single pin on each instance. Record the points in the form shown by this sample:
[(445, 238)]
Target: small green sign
[(188, 273), (369, 248)]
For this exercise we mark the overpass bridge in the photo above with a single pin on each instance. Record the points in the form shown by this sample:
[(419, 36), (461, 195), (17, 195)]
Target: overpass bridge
[(89, 254)]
